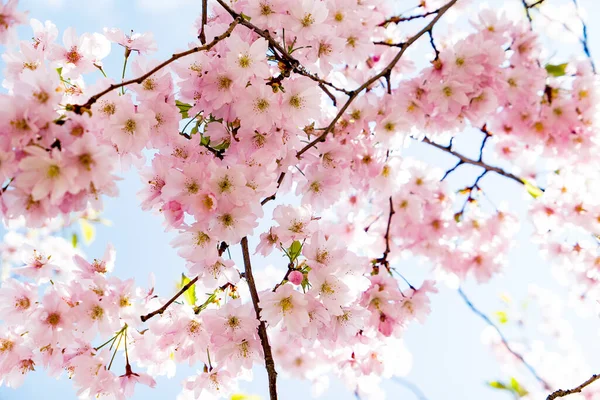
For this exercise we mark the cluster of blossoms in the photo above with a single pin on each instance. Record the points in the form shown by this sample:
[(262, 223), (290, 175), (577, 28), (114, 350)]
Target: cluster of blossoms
[(567, 223), (268, 112)]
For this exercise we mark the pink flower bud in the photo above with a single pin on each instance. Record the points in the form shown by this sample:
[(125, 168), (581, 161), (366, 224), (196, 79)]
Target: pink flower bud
[(296, 277)]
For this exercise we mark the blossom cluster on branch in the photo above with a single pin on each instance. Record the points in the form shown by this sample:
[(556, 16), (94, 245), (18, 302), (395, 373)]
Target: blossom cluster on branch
[(306, 104)]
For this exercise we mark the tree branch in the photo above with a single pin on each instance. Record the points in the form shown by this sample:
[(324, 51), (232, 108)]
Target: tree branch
[(161, 310), (262, 329), (272, 197), (294, 64), (383, 260), (537, 3), (385, 72), (466, 160), (578, 389), (397, 19), (503, 339), (81, 108), (222, 247), (202, 35)]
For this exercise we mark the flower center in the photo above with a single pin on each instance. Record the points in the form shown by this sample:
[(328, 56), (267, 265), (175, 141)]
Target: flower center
[(130, 126), (53, 319), (261, 105), (53, 171), (73, 56), (286, 304), (308, 20)]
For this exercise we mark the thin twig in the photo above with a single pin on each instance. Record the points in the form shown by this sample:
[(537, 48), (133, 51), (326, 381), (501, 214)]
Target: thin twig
[(397, 19), (527, 13), (387, 70), (584, 39), (432, 42), (383, 260), (537, 3), (81, 108), (578, 389), (262, 328), (503, 339)]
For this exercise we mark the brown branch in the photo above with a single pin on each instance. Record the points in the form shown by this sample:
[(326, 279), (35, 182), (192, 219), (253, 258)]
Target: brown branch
[(537, 3), (398, 18), (383, 260), (578, 389), (382, 43), (5, 187), (161, 310), (202, 35), (81, 108), (527, 13), (272, 197), (294, 64), (262, 329), (222, 247), (385, 72), (466, 160)]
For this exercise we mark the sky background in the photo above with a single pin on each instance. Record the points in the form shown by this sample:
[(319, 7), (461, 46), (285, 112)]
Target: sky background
[(449, 359)]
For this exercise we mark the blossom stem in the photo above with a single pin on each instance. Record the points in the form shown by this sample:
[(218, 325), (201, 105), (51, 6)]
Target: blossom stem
[(127, 365), (190, 121), (116, 349), (101, 70), (210, 367), (262, 329), (109, 340), (124, 69), (578, 389)]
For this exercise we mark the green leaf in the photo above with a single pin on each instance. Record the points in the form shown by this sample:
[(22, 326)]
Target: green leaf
[(501, 316), (190, 294), (74, 240), (240, 396), (305, 283), (244, 16), (556, 70), (87, 230), (533, 190), (194, 130), (517, 388), (222, 146), (183, 108), (59, 70), (514, 387), (294, 250), (498, 385), (205, 141)]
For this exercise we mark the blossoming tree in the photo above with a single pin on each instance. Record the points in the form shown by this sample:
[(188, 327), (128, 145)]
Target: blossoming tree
[(306, 105)]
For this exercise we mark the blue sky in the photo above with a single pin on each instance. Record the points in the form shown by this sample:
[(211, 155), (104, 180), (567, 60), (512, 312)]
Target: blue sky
[(449, 361)]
